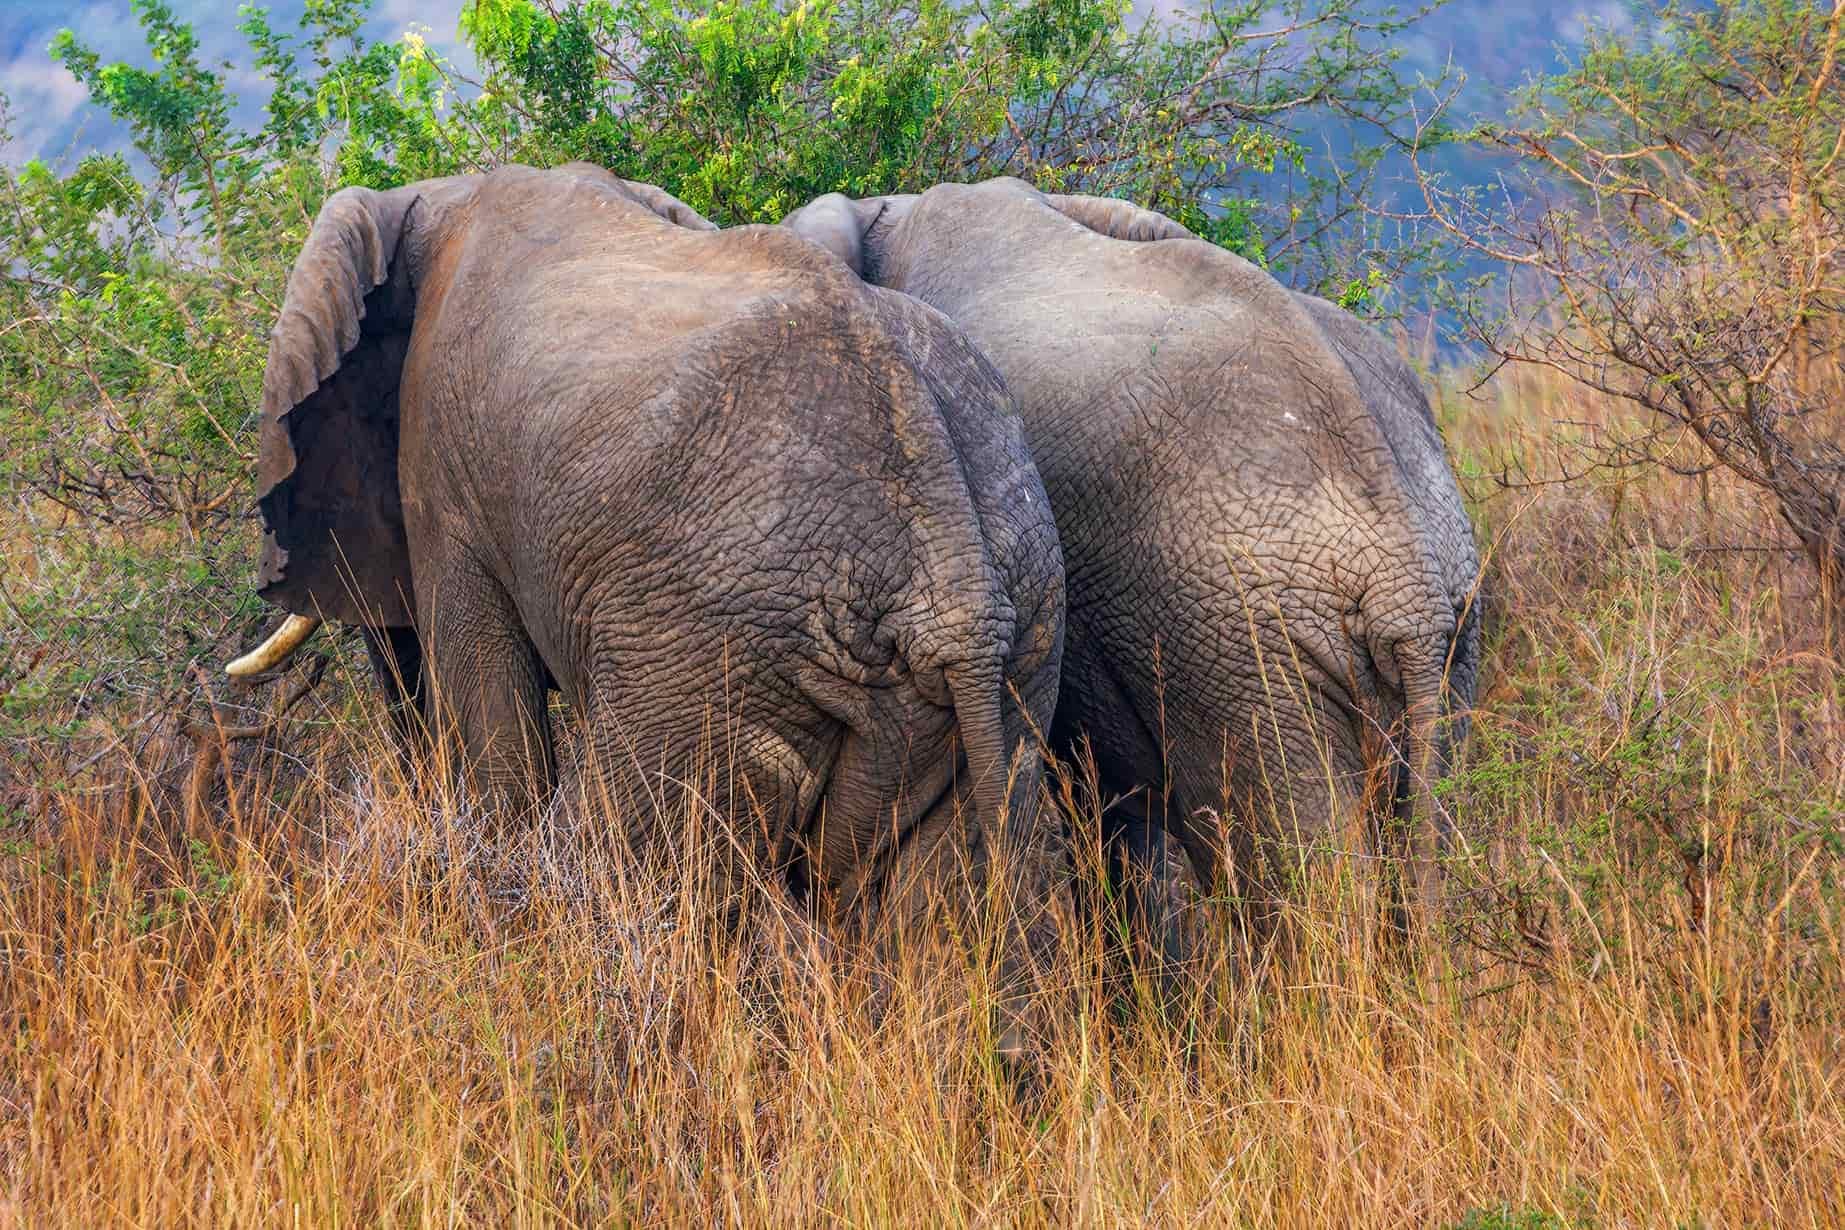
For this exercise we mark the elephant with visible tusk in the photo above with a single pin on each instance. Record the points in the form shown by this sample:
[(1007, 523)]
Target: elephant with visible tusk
[(1270, 571), (550, 428)]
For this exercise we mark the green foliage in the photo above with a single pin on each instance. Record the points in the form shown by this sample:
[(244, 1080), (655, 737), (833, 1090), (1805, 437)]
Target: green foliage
[(749, 108), (1506, 1217), (132, 368), (1360, 294), (179, 113), (1712, 85), (1641, 732)]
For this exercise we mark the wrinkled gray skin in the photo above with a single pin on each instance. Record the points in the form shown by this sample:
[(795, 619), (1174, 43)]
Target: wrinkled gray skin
[(1269, 566), (551, 427)]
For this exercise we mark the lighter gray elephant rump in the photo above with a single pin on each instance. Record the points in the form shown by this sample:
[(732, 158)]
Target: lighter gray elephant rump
[(1269, 567)]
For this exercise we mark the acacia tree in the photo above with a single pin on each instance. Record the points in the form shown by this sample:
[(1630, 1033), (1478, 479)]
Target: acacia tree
[(1691, 261)]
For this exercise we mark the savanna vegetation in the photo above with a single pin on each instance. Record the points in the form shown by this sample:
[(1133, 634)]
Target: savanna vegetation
[(253, 975)]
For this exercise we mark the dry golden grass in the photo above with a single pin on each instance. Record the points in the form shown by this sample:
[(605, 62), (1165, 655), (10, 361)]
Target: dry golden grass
[(326, 1003)]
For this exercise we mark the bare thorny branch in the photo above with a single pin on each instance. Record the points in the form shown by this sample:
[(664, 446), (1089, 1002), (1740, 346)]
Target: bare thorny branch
[(1682, 251)]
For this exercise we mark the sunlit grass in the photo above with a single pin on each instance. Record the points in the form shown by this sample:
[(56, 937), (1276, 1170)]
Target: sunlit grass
[(327, 999)]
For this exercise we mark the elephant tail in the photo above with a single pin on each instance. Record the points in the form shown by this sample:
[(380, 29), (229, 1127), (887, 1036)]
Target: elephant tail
[(979, 704), (1437, 688), (1421, 822)]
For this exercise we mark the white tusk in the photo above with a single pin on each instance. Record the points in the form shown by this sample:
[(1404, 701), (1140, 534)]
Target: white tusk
[(280, 646)]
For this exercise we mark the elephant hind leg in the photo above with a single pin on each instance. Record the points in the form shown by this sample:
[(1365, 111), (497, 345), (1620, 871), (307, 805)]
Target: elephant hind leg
[(1128, 897), (1291, 831), (486, 687), (1137, 877)]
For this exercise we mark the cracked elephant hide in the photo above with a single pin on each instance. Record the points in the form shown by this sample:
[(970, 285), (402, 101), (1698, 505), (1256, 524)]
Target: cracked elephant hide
[(550, 428), (1270, 572)]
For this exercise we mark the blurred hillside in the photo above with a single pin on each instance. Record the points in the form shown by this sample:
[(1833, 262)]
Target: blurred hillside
[(1500, 46)]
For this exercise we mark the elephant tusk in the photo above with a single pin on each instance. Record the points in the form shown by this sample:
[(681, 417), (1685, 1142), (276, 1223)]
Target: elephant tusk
[(280, 646)]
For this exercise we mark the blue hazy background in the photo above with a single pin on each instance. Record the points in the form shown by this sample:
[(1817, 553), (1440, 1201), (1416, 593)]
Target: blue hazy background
[(1498, 46), (50, 113)]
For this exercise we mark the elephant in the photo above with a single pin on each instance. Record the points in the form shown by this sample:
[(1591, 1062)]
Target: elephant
[(535, 428), (1272, 640)]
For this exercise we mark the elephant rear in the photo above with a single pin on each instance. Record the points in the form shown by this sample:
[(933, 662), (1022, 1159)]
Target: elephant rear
[(815, 512), (1260, 580), (549, 428)]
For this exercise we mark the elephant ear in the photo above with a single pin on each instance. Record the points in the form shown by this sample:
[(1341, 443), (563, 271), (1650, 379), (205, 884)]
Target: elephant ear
[(1117, 219), (334, 542), (659, 200), (667, 206)]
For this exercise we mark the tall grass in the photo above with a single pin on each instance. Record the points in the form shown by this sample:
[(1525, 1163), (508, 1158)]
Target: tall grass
[(325, 1000)]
